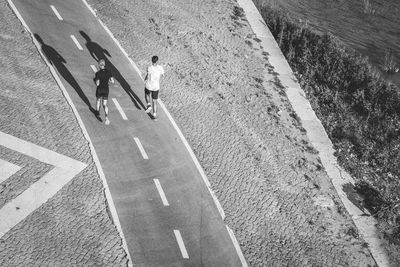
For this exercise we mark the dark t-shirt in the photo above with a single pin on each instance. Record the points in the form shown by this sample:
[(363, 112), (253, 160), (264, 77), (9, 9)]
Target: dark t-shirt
[(103, 76)]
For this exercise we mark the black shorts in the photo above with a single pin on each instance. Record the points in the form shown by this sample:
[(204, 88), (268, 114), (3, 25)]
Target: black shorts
[(154, 94), (102, 93)]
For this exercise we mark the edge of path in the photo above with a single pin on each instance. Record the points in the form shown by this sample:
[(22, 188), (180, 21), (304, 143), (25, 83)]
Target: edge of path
[(315, 131)]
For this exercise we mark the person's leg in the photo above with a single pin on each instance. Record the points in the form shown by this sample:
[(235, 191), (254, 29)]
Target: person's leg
[(98, 106), (155, 107), (106, 110), (147, 98), (154, 97)]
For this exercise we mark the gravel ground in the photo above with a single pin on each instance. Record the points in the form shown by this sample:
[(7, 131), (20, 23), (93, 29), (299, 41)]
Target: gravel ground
[(73, 227), (229, 104)]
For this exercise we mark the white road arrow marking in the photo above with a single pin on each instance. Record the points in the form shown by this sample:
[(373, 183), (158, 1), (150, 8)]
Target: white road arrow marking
[(7, 169), (64, 170)]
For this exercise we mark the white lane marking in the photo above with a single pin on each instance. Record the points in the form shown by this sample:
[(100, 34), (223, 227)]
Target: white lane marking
[(56, 12), (7, 169), (237, 247), (139, 144), (181, 244), (47, 186), (161, 192), (120, 109), (107, 192), (76, 42), (93, 68)]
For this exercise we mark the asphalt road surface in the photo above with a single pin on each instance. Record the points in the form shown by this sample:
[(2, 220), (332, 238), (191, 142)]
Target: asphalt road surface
[(167, 214)]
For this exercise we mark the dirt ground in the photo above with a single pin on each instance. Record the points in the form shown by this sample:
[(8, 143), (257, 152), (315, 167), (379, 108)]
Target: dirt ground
[(230, 106)]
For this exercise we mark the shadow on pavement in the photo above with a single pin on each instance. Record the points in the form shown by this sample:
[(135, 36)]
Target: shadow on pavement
[(59, 62), (98, 52)]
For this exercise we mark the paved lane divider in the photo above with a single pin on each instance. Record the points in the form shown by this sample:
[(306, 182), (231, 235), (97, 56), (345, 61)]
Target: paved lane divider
[(139, 144), (56, 12), (181, 245), (76, 42), (93, 68), (120, 109), (161, 192)]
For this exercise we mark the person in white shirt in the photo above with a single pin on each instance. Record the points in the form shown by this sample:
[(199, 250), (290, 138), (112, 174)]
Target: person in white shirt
[(152, 85)]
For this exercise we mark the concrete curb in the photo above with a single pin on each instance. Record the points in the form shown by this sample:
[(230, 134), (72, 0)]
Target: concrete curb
[(315, 131)]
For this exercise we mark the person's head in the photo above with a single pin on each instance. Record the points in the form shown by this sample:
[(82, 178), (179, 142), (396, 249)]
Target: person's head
[(102, 63), (154, 59)]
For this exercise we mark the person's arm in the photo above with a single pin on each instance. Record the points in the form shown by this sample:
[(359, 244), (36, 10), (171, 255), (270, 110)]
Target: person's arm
[(162, 71), (96, 80), (147, 75)]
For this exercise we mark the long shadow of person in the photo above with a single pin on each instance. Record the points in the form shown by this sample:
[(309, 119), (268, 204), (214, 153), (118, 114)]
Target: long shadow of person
[(98, 52), (59, 63)]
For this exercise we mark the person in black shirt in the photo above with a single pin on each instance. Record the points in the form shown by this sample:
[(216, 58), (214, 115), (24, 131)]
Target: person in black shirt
[(103, 76)]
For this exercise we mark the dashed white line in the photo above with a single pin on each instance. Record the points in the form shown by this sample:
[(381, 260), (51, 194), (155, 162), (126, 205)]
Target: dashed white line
[(7, 169), (161, 192), (56, 12), (120, 109), (139, 144), (181, 244), (93, 68), (76, 42)]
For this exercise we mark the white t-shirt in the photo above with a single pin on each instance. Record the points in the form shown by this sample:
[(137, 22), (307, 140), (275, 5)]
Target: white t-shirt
[(153, 77)]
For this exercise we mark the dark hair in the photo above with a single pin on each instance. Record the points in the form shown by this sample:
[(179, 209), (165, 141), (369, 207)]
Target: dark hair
[(154, 59)]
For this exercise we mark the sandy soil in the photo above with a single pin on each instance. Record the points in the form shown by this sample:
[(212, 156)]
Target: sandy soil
[(229, 104)]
